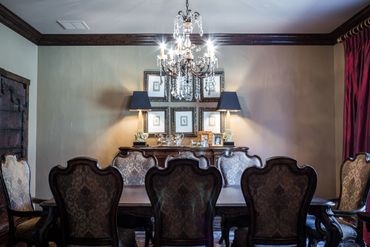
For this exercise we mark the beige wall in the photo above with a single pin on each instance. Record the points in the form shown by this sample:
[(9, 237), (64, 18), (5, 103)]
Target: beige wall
[(286, 93), (338, 104), (19, 56)]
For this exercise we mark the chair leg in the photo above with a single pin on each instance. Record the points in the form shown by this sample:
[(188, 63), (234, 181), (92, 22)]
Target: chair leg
[(225, 235), (359, 239), (148, 235), (225, 232), (221, 240), (10, 243), (312, 242)]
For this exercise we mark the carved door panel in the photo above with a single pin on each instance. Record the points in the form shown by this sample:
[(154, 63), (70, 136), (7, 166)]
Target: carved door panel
[(13, 126)]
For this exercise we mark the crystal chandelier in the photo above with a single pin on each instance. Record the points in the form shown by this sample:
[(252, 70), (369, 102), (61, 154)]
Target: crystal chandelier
[(184, 63)]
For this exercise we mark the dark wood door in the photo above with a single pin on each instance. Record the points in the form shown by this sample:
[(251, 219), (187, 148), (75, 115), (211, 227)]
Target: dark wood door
[(13, 126)]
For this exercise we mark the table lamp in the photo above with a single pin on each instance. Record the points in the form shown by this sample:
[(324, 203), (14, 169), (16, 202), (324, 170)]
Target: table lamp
[(140, 102), (228, 102)]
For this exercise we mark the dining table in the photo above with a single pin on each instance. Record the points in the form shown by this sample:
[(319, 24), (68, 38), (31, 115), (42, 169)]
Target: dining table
[(135, 201)]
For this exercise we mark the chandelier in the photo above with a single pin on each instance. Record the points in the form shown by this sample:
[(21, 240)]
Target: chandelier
[(184, 63)]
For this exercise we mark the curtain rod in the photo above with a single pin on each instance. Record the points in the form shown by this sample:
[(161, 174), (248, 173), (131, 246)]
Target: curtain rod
[(364, 24)]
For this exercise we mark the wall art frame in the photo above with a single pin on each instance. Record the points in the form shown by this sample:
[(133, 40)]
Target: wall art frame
[(211, 120), (157, 121), (183, 121), (192, 84), (157, 91), (211, 95)]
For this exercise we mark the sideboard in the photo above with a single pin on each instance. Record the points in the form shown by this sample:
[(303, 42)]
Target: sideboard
[(161, 152)]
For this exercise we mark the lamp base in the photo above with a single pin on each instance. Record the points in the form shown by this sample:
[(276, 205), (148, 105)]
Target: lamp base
[(229, 144), (140, 144)]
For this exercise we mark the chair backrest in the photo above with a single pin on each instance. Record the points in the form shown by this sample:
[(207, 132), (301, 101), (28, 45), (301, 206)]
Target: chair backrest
[(183, 197), (278, 196), (232, 166), (355, 174), (87, 200), (16, 176), (133, 166), (203, 160)]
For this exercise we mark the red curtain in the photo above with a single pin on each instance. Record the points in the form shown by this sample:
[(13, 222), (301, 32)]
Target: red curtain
[(357, 94)]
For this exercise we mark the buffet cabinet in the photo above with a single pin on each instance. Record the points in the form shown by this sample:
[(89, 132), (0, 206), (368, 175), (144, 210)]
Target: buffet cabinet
[(161, 152)]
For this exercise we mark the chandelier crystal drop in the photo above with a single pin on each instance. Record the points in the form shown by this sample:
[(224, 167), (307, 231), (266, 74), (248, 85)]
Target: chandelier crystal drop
[(183, 62)]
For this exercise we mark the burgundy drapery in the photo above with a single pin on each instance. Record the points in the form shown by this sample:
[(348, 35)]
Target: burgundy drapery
[(356, 125)]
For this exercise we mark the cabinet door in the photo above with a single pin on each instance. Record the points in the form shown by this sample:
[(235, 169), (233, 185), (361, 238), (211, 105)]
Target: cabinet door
[(14, 117), (13, 126)]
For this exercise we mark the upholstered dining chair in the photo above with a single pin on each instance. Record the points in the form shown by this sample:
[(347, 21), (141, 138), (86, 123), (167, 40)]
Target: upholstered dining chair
[(277, 207), (133, 166), (354, 188), (203, 161), (87, 199), (232, 165), (25, 223), (183, 197)]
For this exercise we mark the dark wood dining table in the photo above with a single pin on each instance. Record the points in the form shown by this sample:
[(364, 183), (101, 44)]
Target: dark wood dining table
[(134, 200)]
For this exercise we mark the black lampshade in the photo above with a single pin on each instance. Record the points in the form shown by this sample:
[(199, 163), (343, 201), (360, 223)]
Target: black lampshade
[(228, 102), (140, 101)]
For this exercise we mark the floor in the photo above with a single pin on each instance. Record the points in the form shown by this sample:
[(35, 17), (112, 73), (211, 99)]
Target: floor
[(140, 242)]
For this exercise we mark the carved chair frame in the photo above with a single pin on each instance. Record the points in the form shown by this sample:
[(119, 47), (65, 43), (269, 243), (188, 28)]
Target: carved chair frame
[(198, 156), (174, 164), (351, 159), (15, 213), (93, 165), (301, 226)]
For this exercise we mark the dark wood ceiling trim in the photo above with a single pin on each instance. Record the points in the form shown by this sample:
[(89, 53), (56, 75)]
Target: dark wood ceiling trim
[(14, 22), (18, 25), (351, 23), (154, 39)]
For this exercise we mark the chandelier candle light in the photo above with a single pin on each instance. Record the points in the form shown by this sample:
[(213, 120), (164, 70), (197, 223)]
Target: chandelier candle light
[(183, 62)]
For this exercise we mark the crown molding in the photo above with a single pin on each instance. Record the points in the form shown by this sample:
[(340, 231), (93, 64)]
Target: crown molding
[(18, 25), (155, 39), (351, 23)]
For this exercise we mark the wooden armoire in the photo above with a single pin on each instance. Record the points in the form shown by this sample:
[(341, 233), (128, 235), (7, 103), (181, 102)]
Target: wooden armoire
[(13, 126)]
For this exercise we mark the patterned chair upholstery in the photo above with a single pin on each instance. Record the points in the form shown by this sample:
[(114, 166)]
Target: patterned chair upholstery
[(87, 200), (355, 185), (25, 224), (183, 197), (133, 167), (231, 167), (277, 207), (203, 161)]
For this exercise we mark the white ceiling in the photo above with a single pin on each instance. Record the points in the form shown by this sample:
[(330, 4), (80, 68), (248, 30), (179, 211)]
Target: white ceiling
[(219, 16)]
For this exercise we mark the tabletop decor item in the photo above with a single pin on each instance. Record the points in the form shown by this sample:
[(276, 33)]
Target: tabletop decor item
[(177, 139), (205, 137)]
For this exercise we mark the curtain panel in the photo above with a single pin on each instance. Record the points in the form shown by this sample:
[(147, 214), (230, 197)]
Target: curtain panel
[(357, 94)]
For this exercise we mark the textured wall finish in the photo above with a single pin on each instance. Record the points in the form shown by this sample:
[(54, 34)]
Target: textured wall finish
[(339, 105), (19, 56), (286, 95)]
